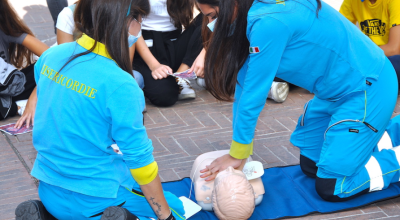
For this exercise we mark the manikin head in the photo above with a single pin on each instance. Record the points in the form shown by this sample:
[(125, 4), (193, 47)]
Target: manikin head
[(233, 195)]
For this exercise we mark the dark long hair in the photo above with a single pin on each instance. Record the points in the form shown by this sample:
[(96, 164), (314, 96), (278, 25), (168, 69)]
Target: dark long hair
[(181, 12), (12, 25), (226, 52), (106, 22)]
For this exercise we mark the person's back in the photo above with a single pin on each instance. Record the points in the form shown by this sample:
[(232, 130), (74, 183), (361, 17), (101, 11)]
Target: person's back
[(75, 121), (337, 47), (88, 100)]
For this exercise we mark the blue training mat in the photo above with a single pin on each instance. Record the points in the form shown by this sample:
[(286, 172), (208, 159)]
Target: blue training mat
[(288, 193)]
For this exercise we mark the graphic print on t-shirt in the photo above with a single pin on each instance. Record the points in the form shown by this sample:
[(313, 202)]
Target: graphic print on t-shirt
[(373, 27)]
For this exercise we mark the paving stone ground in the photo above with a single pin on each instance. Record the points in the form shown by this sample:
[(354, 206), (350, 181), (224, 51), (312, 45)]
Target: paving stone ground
[(179, 134)]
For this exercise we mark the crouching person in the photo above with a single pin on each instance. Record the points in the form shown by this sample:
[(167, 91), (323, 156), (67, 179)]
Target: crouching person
[(87, 101)]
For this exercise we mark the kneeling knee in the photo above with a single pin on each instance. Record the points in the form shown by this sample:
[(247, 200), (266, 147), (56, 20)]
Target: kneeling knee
[(326, 188), (308, 166), (164, 100)]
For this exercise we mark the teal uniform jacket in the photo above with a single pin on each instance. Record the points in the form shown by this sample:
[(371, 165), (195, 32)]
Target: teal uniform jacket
[(81, 111), (327, 55)]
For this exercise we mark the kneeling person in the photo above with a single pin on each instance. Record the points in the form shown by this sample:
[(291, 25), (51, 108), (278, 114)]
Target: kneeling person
[(80, 174)]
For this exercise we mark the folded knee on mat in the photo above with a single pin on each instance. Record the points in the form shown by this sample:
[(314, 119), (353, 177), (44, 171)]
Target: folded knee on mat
[(326, 188), (308, 166)]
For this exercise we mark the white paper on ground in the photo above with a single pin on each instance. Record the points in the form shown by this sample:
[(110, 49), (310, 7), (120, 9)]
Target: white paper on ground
[(253, 170), (190, 207)]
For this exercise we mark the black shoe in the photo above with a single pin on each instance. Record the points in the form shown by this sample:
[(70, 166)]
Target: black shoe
[(117, 213), (32, 210)]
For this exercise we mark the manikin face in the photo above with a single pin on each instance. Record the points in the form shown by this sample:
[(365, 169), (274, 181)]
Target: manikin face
[(229, 172), (209, 11), (233, 195)]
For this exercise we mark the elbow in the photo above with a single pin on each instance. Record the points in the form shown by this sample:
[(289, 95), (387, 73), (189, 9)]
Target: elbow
[(397, 50)]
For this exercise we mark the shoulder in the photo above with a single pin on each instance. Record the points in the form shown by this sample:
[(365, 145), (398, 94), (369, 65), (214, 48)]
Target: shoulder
[(65, 20), (122, 86), (393, 3), (270, 7), (65, 48), (66, 13), (280, 10), (266, 23), (56, 53), (12, 39), (121, 77)]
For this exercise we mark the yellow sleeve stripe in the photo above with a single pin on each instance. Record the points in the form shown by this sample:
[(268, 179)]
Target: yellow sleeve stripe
[(241, 151), (146, 174)]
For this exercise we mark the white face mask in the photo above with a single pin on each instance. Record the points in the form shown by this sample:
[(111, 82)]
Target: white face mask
[(212, 24), (132, 39), (231, 28)]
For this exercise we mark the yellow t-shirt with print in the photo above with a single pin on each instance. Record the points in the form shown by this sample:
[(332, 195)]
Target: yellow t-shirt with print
[(375, 19)]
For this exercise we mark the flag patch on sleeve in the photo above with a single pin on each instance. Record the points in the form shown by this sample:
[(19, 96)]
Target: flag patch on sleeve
[(254, 50)]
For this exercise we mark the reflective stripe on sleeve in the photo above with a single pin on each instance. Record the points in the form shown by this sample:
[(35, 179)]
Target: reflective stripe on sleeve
[(146, 174), (385, 142), (241, 151), (375, 174)]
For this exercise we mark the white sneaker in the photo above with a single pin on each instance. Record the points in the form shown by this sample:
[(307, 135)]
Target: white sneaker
[(201, 82), (278, 91), (187, 91), (21, 106)]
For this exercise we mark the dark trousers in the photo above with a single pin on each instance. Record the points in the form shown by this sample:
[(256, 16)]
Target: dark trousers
[(184, 49), (395, 60), (29, 86), (55, 7)]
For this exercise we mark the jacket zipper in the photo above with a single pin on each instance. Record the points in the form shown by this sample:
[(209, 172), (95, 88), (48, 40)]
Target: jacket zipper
[(341, 121)]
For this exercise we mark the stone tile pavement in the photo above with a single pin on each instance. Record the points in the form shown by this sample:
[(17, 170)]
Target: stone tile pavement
[(179, 135)]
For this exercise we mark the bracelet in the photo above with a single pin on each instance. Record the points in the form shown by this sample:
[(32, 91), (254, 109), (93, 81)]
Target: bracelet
[(170, 217)]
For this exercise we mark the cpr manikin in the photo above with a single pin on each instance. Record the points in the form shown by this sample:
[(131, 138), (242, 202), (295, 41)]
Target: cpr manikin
[(230, 195), (233, 195)]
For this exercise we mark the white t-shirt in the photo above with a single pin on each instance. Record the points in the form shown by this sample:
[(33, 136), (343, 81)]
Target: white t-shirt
[(65, 21), (158, 19)]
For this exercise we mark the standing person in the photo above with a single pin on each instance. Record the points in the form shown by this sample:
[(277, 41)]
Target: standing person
[(17, 47), (171, 42), (380, 21), (87, 101), (311, 45), (55, 7)]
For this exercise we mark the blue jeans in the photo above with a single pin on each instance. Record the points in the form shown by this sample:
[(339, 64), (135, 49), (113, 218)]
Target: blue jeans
[(139, 79), (395, 60)]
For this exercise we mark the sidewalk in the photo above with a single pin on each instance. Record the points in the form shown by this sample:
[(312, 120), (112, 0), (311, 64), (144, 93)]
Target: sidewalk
[(179, 135)]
